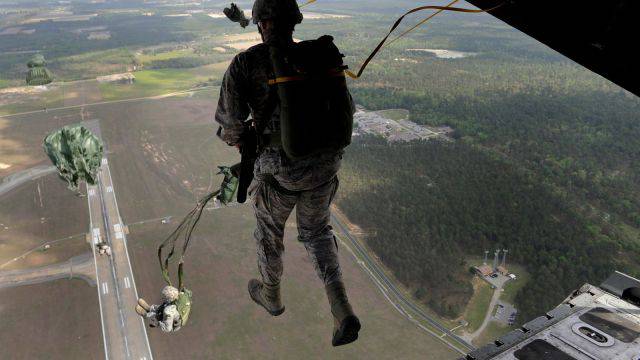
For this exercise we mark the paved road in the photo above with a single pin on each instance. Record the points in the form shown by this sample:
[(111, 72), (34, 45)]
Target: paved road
[(16, 179), (124, 332), (79, 267), (398, 299)]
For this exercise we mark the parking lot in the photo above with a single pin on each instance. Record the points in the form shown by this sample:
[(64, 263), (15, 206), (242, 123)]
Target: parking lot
[(498, 281), (505, 313)]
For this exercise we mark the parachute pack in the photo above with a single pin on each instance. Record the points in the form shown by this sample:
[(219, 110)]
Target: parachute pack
[(76, 152), (316, 109)]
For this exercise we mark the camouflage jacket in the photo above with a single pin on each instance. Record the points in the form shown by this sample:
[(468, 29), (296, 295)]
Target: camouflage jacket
[(245, 91)]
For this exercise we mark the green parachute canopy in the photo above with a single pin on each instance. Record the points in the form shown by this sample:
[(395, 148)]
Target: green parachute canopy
[(38, 74), (77, 154), (36, 61)]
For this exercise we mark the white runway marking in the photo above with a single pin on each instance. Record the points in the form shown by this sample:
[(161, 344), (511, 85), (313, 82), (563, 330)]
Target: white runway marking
[(104, 161), (105, 288), (92, 192), (109, 189), (127, 284), (117, 227)]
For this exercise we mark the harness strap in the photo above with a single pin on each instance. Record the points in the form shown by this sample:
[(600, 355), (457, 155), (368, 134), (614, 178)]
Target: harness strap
[(337, 72)]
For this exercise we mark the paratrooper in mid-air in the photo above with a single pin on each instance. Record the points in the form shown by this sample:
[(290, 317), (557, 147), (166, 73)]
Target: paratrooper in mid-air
[(302, 118)]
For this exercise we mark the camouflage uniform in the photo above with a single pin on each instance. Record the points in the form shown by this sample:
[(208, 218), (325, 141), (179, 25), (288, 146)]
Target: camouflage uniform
[(310, 184)]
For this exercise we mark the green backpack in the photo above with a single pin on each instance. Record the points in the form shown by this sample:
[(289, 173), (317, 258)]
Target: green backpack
[(184, 305), (316, 109)]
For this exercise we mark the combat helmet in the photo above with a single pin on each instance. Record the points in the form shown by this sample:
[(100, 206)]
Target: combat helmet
[(286, 10)]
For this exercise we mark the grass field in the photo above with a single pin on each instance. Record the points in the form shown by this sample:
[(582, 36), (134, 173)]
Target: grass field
[(162, 81), (394, 114), (161, 162), (478, 305), (493, 331), (5, 83), (37, 100), (174, 54), (56, 320), (511, 288)]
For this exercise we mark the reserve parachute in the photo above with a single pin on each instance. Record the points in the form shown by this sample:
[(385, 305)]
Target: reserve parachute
[(316, 109), (76, 153)]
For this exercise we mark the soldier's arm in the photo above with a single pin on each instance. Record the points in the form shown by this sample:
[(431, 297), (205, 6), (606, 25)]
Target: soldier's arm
[(233, 108)]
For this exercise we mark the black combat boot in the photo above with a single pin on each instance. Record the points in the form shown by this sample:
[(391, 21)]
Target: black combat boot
[(267, 296), (346, 324)]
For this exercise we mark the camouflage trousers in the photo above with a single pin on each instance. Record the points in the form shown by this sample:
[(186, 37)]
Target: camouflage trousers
[(272, 208)]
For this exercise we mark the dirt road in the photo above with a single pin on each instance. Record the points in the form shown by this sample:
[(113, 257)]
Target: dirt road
[(80, 267)]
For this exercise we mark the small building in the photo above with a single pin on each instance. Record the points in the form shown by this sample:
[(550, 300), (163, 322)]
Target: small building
[(483, 270), (124, 78), (502, 270), (512, 276)]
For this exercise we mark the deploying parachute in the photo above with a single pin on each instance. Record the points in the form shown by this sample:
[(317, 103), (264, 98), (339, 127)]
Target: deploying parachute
[(77, 154)]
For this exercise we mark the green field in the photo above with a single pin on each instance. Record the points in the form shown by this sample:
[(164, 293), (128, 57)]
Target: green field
[(478, 304), (492, 332), (512, 287), (163, 81), (174, 54), (394, 114)]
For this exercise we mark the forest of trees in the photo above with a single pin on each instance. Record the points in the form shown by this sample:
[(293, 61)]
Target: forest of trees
[(428, 205), (544, 161), (549, 172)]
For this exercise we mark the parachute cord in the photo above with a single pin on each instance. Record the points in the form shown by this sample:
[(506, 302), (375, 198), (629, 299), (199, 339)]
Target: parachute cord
[(399, 20), (418, 25), (184, 229)]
